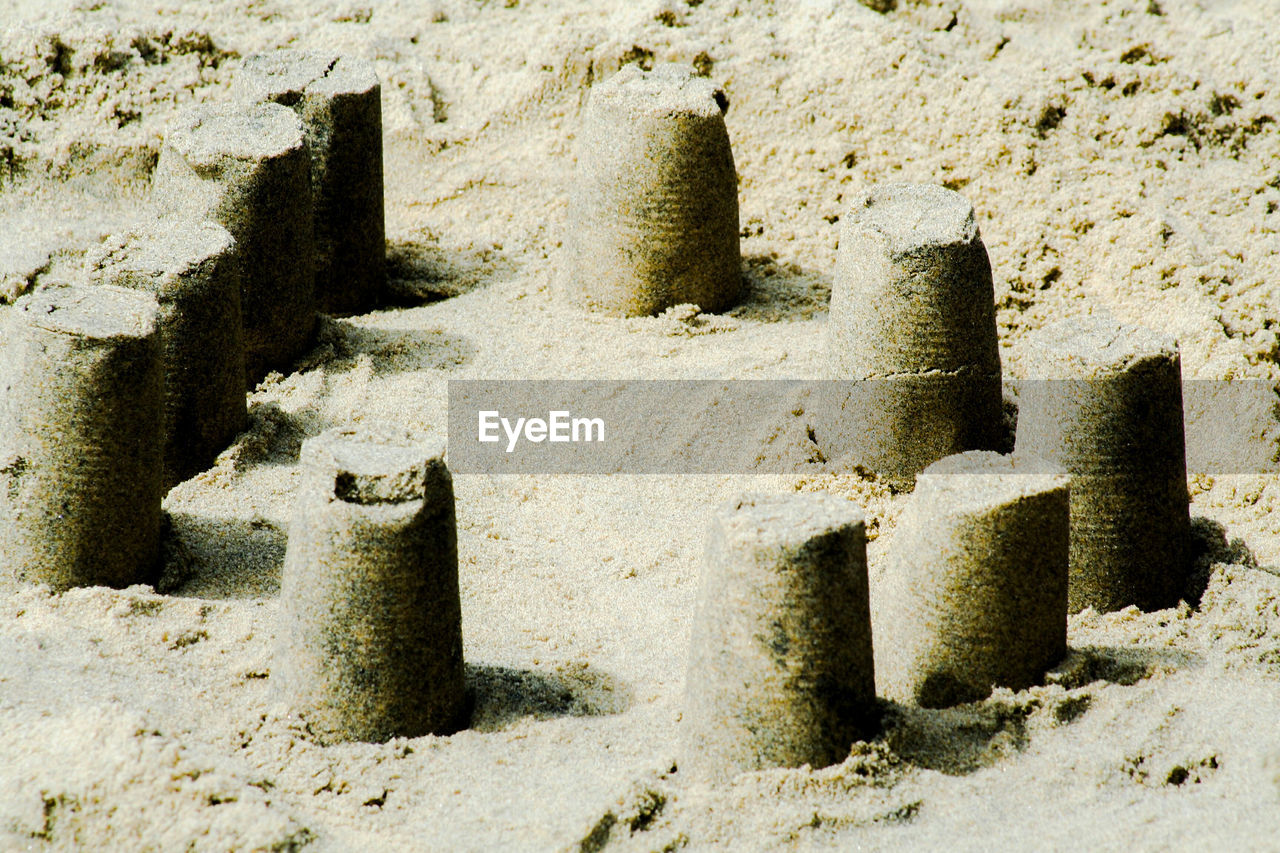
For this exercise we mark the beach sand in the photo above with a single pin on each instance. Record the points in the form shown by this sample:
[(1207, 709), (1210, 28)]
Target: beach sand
[(1124, 160)]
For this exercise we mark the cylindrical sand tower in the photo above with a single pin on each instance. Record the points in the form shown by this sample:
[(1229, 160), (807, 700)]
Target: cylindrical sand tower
[(339, 101), (81, 439), (246, 167), (780, 669), (1106, 404), (911, 337), (975, 592), (193, 270), (370, 643), (653, 214)]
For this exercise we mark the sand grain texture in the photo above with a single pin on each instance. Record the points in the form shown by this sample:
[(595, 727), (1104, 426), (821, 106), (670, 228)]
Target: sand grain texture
[(1121, 159)]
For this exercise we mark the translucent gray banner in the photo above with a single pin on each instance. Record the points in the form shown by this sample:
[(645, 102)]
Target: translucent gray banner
[(789, 426)]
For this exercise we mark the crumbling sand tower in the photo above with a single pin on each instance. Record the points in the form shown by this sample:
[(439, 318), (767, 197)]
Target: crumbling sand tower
[(370, 644), (193, 270), (653, 215), (246, 167), (975, 592), (911, 335), (780, 669), (339, 101), (80, 439), (1106, 404)]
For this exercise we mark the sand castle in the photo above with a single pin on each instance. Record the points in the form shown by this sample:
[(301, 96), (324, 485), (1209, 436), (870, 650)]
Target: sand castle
[(248, 169), (1108, 408), (193, 269), (975, 592), (653, 213), (912, 330), (339, 102), (150, 358), (782, 669), (81, 444), (370, 643)]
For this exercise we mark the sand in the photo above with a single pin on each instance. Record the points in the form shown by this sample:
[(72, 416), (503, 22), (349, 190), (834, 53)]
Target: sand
[(1122, 161)]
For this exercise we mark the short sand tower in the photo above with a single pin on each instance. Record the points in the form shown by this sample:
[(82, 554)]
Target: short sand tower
[(912, 331), (339, 100), (80, 439), (1106, 404), (247, 168), (193, 269), (653, 214), (780, 669), (370, 645), (975, 591)]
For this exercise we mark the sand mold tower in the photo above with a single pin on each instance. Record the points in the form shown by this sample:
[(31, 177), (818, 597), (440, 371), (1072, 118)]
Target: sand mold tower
[(653, 214), (975, 591), (339, 102), (780, 669), (1107, 406), (911, 335), (80, 425), (370, 645), (247, 168), (193, 270)]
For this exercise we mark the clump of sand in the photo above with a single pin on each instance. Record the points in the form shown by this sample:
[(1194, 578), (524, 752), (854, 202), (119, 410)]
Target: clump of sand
[(1122, 161)]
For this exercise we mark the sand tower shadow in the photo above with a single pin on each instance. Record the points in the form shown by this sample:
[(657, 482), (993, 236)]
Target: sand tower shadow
[(780, 292), (226, 558), (1210, 545), (502, 695), (342, 344), (966, 738), (272, 436), (421, 271)]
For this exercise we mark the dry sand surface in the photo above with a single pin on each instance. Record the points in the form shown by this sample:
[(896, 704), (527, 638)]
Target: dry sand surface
[(1124, 159)]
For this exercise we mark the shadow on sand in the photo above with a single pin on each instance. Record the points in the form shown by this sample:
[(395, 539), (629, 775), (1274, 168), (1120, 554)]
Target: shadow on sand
[(774, 292), (501, 695), (420, 270), (965, 738), (227, 558)]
